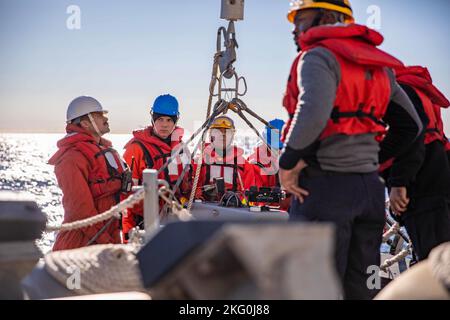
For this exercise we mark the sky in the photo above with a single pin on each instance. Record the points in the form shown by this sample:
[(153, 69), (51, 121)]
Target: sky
[(127, 52)]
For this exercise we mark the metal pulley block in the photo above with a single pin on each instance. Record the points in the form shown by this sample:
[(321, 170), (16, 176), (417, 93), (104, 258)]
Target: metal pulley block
[(226, 61)]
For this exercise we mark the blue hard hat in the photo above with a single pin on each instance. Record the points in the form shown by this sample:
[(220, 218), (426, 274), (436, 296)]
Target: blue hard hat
[(270, 134), (166, 105)]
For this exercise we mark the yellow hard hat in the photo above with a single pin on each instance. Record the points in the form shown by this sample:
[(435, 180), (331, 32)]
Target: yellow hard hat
[(223, 122), (342, 6)]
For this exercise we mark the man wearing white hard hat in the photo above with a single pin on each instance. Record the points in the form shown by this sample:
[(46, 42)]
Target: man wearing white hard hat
[(90, 173)]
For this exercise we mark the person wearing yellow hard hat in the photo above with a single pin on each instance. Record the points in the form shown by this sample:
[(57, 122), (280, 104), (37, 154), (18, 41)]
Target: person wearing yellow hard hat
[(322, 11), (340, 95), (343, 7), (221, 160), (222, 133)]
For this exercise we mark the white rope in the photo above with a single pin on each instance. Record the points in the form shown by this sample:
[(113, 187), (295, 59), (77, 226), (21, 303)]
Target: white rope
[(173, 203), (212, 85), (177, 209), (196, 178), (113, 212), (213, 82), (394, 229), (400, 256)]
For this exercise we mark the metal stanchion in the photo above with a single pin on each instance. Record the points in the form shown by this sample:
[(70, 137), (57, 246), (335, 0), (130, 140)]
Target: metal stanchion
[(151, 200)]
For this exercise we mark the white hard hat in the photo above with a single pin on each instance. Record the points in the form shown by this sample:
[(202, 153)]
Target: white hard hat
[(82, 106)]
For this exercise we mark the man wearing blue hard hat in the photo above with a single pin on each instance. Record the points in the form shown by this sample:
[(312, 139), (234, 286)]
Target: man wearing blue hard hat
[(151, 148), (265, 156), (264, 159)]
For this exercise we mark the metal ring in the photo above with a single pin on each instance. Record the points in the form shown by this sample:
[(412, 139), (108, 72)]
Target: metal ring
[(245, 85)]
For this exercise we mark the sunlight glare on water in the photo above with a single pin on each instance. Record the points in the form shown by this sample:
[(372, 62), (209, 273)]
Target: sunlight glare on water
[(24, 168)]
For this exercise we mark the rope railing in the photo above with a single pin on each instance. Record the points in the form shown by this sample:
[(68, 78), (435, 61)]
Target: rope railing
[(393, 230), (195, 183), (183, 214), (397, 258), (177, 209), (113, 212)]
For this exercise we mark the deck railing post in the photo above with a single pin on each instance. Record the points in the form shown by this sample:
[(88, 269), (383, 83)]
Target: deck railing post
[(151, 200)]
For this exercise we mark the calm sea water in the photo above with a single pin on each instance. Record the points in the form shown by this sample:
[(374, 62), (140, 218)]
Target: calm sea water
[(24, 168)]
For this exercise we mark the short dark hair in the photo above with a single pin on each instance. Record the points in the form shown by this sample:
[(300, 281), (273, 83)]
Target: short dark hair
[(156, 116), (77, 121)]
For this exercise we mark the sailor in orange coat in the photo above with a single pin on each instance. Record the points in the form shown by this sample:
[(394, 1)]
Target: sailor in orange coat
[(89, 173), (222, 160), (151, 147), (264, 159)]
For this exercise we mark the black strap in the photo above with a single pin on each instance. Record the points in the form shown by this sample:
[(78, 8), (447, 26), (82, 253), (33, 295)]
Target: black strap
[(278, 180), (235, 172), (161, 154), (139, 221), (432, 130), (435, 129), (164, 156), (336, 115), (113, 172), (207, 175), (259, 164), (235, 175), (149, 163), (101, 151), (113, 175)]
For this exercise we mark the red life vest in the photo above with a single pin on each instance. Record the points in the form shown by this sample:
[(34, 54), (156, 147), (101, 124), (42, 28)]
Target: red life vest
[(105, 176), (419, 79), (266, 167), (231, 168), (364, 91), (156, 152), (290, 99)]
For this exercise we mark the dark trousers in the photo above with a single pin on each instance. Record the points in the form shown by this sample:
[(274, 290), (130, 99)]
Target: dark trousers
[(355, 204), (427, 222)]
